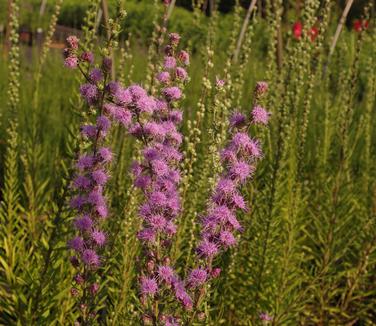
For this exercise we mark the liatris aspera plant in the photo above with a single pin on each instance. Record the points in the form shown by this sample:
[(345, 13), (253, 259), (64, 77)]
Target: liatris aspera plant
[(155, 122), (218, 226), (89, 201)]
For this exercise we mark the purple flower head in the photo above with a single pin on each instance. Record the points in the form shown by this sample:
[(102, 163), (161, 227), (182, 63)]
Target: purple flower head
[(137, 92), (240, 141), (160, 105), (255, 148), (176, 116), (71, 62), (207, 248), (181, 73), (155, 130), (85, 162), (159, 167), (105, 154), (148, 286), (174, 38), (184, 57), (227, 238), (241, 171), (219, 82), (232, 220), (103, 123), (95, 197), (261, 87), (228, 155), (94, 288), (89, 92), (157, 199), (182, 295), (83, 223), (146, 104), (215, 272), (96, 75), (89, 131), (239, 202), (157, 222), (102, 210), (142, 181), (98, 237), (197, 277), (87, 56), (77, 244), (81, 182), (78, 278), (170, 228), (73, 42), (237, 120), (112, 87), (163, 77), (147, 235), (172, 93), (165, 273), (260, 115), (100, 177), (225, 187), (122, 96), (169, 62), (265, 317), (171, 321), (90, 258), (78, 202)]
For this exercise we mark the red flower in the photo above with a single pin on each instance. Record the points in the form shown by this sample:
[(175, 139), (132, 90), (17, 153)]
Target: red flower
[(297, 30), (360, 25), (313, 33)]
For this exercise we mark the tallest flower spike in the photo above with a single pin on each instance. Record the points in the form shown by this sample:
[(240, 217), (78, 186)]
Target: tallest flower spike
[(219, 225), (154, 121)]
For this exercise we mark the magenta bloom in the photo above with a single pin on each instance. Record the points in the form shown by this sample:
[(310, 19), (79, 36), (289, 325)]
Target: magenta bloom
[(89, 92), (88, 57), (96, 75), (184, 57), (163, 77), (174, 38), (170, 63), (71, 62), (84, 223), (165, 273), (219, 82), (264, 316), (172, 93), (207, 248), (77, 244), (100, 177), (260, 115), (261, 87), (73, 42), (237, 120), (98, 237), (181, 73), (90, 258), (148, 286), (105, 154), (197, 277)]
